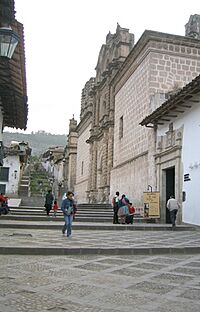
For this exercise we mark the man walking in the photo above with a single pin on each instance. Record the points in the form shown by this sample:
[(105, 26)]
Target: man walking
[(115, 204), (173, 206), (48, 202), (67, 208)]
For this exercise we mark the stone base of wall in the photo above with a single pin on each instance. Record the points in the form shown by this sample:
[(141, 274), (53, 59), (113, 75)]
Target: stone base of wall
[(80, 191), (131, 179)]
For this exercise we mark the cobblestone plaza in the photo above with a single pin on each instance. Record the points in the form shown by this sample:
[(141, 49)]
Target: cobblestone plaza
[(149, 279), (98, 283)]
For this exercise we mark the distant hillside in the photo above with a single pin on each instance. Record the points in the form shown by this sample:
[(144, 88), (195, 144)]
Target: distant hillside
[(39, 141)]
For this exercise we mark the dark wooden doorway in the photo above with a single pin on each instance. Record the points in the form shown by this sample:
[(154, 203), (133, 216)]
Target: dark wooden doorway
[(170, 188)]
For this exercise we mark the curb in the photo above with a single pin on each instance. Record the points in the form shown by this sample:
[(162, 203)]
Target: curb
[(50, 251), (103, 227)]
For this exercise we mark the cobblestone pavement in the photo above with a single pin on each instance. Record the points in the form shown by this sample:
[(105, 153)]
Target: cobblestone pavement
[(96, 283), (102, 239)]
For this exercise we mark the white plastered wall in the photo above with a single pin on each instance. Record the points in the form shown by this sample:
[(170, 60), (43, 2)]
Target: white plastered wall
[(190, 162)]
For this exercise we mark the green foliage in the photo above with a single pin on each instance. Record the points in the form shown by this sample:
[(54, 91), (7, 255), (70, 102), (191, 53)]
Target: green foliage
[(39, 179), (38, 141)]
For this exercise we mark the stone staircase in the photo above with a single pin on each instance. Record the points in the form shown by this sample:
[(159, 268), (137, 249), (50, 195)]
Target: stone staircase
[(32, 209), (89, 217), (24, 186)]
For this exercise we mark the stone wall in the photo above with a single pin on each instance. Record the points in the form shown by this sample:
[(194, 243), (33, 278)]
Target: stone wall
[(83, 160), (131, 178), (163, 66)]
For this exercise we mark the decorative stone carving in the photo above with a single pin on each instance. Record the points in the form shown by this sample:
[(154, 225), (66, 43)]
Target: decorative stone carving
[(192, 28), (170, 139)]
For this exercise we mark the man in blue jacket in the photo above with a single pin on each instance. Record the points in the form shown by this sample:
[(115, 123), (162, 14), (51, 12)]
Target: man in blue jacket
[(67, 208)]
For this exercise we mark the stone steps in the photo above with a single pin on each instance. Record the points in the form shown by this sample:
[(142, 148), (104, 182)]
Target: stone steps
[(85, 213), (57, 223), (32, 208), (31, 218), (16, 211)]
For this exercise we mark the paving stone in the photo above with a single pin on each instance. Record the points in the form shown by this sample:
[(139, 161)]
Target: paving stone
[(149, 266), (125, 298), (47, 284), (172, 278), (164, 260), (92, 266), (186, 270), (130, 272), (191, 293), (97, 282), (114, 261), (194, 264), (177, 306), (151, 287), (74, 289)]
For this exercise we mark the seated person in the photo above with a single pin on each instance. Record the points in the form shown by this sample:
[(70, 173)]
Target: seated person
[(131, 209), (129, 218), (3, 198)]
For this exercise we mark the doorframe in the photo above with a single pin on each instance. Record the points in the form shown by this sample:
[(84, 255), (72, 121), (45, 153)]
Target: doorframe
[(169, 190), (166, 160)]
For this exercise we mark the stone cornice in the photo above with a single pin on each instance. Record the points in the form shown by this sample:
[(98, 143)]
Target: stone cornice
[(130, 160), (168, 151), (84, 122)]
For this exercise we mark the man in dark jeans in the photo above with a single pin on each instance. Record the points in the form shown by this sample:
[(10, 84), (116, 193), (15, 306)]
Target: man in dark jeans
[(115, 204), (68, 208), (48, 202), (173, 206)]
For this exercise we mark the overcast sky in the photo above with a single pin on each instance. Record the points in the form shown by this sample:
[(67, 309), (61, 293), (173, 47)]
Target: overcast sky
[(62, 43)]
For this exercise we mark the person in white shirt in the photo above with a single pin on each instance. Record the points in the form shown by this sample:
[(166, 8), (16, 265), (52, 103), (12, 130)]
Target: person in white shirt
[(115, 205), (173, 206)]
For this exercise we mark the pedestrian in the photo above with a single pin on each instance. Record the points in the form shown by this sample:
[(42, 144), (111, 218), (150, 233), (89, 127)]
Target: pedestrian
[(74, 208), (64, 196), (67, 208), (115, 205), (48, 202), (55, 208), (173, 206), (4, 209), (129, 217), (123, 209)]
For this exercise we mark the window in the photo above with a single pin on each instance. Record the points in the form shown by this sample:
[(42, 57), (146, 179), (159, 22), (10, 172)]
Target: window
[(121, 127), (82, 164), (2, 188), (4, 172)]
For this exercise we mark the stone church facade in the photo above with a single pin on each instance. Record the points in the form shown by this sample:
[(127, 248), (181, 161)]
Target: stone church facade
[(70, 157), (95, 130), (115, 151)]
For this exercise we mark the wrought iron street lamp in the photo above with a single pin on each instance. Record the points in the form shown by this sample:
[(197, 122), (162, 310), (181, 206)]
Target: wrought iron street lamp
[(8, 42)]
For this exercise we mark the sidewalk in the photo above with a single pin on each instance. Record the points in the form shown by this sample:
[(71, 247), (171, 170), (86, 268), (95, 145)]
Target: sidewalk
[(84, 241), (114, 270)]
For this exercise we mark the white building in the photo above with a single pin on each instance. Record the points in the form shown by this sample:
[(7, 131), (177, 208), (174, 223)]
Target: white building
[(177, 157), (52, 161), (14, 164)]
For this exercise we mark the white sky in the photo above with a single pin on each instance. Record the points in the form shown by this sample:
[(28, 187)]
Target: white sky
[(62, 43)]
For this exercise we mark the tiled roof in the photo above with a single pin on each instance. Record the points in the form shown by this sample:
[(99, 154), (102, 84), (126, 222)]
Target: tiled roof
[(176, 105), (13, 92)]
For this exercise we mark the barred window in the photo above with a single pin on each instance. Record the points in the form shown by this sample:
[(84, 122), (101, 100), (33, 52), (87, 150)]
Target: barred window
[(121, 127), (82, 166), (4, 173), (2, 188)]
